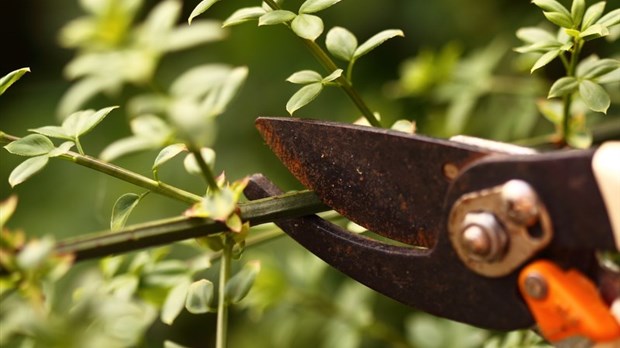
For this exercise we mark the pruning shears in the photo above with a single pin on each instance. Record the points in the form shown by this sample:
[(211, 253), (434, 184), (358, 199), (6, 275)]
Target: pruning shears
[(485, 233)]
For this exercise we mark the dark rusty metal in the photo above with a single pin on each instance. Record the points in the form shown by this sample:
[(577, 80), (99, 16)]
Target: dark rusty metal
[(390, 182), (434, 280)]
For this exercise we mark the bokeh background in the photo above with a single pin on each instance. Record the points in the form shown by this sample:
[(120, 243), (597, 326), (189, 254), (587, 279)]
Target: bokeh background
[(404, 78)]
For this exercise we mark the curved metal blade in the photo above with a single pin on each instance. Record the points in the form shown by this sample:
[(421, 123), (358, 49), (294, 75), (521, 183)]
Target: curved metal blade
[(390, 182)]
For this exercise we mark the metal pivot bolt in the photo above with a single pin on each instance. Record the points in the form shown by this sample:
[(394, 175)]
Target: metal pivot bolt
[(535, 286), (520, 202), (483, 237)]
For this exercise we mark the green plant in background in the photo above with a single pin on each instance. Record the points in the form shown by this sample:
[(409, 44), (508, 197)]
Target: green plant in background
[(584, 77)]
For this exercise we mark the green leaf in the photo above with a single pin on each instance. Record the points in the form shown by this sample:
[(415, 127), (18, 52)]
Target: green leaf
[(551, 6), (244, 15), (7, 208), (552, 110), (545, 59), (239, 285), (593, 13), (35, 253), (30, 145), (559, 19), (333, 76), (191, 165), (312, 6), (594, 32), (174, 303), (234, 223), (304, 77), (227, 91), (375, 41), (167, 154), (151, 127), (199, 297), (62, 149), (577, 11), (126, 146), (594, 95), (201, 31), (304, 96), (123, 207), (341, 43), (307, 26), (170, 344), (610, 19), (26, 169), (593, 68), (83, 90), (200, 9), (563, 86), (82, 122), (581, 139), (534, 35), (53, 132), (7, 80), (276, 17)]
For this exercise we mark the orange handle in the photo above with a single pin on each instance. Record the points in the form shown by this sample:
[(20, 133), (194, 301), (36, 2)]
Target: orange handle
[(566, 304)]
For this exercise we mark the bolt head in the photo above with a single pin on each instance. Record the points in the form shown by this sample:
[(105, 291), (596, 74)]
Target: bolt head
[(476, 241), (482, 237), (520, 202), (536, 286)]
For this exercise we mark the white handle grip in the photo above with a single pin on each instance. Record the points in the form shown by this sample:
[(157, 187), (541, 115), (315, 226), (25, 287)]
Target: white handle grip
[(606, 168)]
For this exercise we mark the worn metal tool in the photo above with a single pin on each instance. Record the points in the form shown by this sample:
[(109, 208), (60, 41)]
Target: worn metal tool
[(478, 232)]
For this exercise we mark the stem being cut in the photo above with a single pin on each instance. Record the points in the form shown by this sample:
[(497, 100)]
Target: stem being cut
[(222, 304), (568, 99)]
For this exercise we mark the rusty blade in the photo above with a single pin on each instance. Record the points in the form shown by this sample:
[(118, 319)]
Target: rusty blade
[(390, 182)]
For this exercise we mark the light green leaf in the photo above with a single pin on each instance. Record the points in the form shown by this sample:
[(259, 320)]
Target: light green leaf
[(202, 31), (563, 86), (170, 344), (26, 169), (82, 91), (545, 59), (577, 11), (35, 253), (191, 165), (375, 41), (227, 91), (551, 6), (333, 76), (593, 13), (82, 122), (559, 19), (244, 15), (535, 35), (174, 303), (53, 132), (239, 285), (7, 80), (540, 47), (167, 154), (581, 139), (594, 95), (610, 19), (7, 208), (30, 145), (162, 18), (126, 146), (552, 110), (123, 207), (62, 149), (307, 26), (341, 43), (304, 77), (199, 80), (591, 69), (304, 96), (200, 9), (276, 17), (199, 297), (234, 223), (612, 77), (594, 32), (312, 6), (151, 127)]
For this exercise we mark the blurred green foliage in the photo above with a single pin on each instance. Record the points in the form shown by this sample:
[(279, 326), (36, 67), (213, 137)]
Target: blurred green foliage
[(454, 72)]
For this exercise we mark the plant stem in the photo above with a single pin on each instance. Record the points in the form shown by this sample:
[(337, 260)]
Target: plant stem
[(120, 173), (207, 173), (330, 66), (568, 99), (222, 305)]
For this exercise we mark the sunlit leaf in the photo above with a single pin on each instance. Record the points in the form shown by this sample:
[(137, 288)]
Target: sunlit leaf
[(239, 285), (62, 149), (175, 301), (7, 208), (167, 154), (333, 76), (563, 86), (577, 11), (199, 297), (191, 165), (551, 6), (552, 110), (305, 77), (123, 207), (592, 14), (594, 68), (30, 145), (559, 19), (535, 35), (53, 132), (304, 96), (307, 26), (276, 17), (594, 32), (111, 265), (7, 80), (545, 59), (26, 169), (234, 223), (581, 139), (244, 15), (83, 90), (375, 41), (170, 344), (594, 95), (341, 43), (82, 122), (151, 127), (126, 146), (161, 18), (35, 253), (200, 9), (312, 6), (202, 31), (227, 91), (610, 19)]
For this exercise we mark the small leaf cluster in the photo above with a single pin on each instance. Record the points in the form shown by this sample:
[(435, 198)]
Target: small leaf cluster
[(113, 50), (10, 78)]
